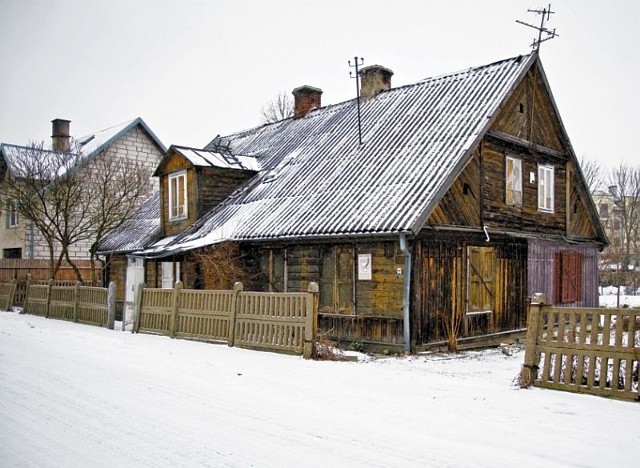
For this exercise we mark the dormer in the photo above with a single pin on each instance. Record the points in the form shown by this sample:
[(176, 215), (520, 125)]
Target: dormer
[(193, 181)]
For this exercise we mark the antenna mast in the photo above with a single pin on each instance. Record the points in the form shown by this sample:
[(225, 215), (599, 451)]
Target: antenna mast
[(357, 61), (545, 14)]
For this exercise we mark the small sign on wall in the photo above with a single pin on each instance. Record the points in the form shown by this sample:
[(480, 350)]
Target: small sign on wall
[(364, 267)]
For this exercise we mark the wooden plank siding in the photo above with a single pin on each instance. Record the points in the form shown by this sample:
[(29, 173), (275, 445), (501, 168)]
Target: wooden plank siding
[(171, 165), (526, 217), (443, 270), (543, 276)]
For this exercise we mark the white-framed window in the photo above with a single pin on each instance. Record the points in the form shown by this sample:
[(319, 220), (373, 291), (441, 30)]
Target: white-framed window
[(178, 195), (513, 181), (545, 188), (12, 215)]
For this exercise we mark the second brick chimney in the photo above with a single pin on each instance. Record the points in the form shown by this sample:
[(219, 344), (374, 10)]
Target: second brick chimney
[(60, 137), (374, 79), (306, 98)]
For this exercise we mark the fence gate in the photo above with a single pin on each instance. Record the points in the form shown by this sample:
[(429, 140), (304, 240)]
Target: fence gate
[(593, 351)]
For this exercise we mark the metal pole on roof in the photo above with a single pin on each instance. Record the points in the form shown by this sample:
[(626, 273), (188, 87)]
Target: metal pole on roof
[(357, 61), (545, 13)]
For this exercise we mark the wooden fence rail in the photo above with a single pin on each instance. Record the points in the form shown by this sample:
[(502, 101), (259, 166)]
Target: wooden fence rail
[(595, 351), (284, 322), (83, 304)]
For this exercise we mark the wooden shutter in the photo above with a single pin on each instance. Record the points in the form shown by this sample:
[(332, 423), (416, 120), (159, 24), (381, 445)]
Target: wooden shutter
[(568, 277), (345, 280), (481, 279), (336, 280)]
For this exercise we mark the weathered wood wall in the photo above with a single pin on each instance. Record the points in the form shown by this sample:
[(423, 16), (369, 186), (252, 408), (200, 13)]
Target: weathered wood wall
[(542, 275), (172, 164), (443, 273), (351, 309), (215, 184)]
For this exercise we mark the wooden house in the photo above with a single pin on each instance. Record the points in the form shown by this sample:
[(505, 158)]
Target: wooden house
[(453, 201)]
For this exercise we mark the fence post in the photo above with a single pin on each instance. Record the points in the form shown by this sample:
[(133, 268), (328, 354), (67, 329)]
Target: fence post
[(137, 308), (12, 293), (26, 294), (49, 286), (173, 321), (237, 289), (76, 299), (529, 371), (311, 322), (111, 306)]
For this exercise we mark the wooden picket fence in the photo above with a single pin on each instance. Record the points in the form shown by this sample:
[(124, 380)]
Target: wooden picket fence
[(594, 351), (282, 322), (76, 303), (7, 294)]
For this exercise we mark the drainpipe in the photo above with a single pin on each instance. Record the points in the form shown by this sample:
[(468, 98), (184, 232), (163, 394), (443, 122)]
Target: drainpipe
[(31, 240), (406, 290)]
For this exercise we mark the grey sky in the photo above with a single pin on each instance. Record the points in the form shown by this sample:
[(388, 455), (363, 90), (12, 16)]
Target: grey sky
[(193, 69)]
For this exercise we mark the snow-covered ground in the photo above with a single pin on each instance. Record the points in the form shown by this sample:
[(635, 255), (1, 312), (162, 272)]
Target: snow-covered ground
[(611, 300), (80, 396)]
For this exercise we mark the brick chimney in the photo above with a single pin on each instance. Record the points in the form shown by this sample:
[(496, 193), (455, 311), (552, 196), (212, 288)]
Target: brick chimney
[(373, 80), (60, 138), (306, 98)]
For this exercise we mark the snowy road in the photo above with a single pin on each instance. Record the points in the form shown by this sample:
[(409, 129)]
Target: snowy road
[(80, 396)]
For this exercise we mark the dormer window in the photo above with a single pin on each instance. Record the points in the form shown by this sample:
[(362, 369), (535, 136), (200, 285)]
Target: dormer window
[(178, 195)]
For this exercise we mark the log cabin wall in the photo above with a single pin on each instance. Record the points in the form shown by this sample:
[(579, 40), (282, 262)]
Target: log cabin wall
[(351, 308)]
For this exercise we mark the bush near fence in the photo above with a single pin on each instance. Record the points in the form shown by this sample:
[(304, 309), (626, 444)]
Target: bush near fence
[(82, 304), (283, 322), (594, 351)]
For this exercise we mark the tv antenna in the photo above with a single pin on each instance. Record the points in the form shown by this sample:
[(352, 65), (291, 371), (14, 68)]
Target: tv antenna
[(357, 61), (545, 14)]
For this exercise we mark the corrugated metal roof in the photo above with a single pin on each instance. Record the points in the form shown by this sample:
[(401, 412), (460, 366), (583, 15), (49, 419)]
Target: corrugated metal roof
[(317, 180), (212, 158), (138, 231)]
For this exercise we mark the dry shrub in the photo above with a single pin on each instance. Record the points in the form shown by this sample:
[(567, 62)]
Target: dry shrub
[(221, 265), (451, 323), (326, 350)]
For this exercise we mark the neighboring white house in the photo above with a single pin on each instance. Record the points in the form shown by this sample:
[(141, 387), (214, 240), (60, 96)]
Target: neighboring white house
[(132, 140)]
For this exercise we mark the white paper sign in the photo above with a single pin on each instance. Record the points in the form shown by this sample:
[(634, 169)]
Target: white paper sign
[(364, 267)]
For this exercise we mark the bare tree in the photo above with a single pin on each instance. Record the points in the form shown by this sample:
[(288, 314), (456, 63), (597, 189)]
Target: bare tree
[(70, 199), (279, 108), (593, 173), (221, 265), (117, 188), (623, 224)]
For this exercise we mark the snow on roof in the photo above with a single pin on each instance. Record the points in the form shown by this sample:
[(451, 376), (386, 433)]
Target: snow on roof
[(211, 158), (88, 145), (137, 231), (317, 180), (95, 142)]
